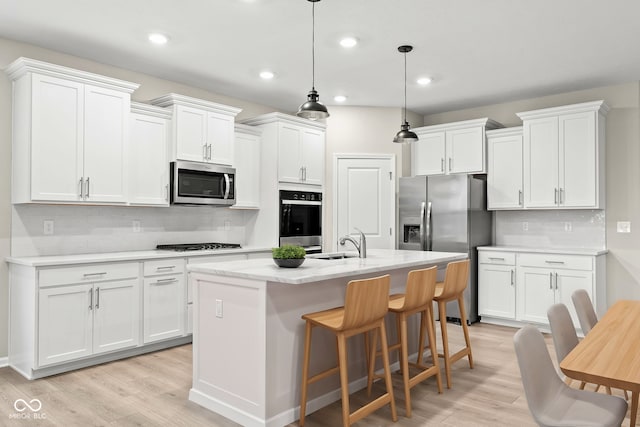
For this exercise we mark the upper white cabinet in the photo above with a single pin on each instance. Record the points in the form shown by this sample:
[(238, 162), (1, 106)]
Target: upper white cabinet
[(564, 156), (451, 148), (299, 144), (247, 163), (70, 134), (504, 169), (149, 171), (201, 131)]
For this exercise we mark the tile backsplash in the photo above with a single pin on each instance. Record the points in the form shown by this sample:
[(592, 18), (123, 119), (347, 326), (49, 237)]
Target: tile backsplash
[(551, 228), (89, 229)]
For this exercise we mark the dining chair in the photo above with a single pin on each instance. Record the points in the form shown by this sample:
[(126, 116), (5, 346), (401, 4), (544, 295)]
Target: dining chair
[(584, 308), (553, 403)]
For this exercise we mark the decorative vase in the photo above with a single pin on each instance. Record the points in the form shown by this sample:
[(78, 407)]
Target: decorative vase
[(288, 262)]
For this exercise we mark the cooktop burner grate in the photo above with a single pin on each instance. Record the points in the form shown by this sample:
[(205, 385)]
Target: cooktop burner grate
[(198, 246)]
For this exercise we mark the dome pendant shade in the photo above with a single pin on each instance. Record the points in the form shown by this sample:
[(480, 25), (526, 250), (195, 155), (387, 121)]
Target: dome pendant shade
[(313, 109), (405, 135)]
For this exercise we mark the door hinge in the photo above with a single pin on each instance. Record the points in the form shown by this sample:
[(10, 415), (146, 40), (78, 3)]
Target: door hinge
[(390, 176)]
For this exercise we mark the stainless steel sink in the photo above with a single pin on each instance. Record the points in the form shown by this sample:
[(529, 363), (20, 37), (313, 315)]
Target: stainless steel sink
[(332, 255)]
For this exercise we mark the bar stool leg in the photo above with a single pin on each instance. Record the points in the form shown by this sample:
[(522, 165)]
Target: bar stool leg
[(404, 361), (371, 351), (432, 345), (305, 372), (387, 369), (344, 377), (465, 329), (442, 310), (423, 329)]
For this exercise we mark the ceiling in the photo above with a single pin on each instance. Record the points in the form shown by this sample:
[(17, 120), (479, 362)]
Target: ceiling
[(477, 52)]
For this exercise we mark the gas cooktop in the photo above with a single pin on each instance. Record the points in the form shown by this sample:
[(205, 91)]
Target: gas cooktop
[(198, 246)]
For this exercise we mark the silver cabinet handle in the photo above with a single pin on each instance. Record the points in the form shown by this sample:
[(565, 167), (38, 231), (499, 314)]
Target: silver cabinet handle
[(561, 196), (442, 164), (210, 151), (305, 173), (86, 195), (496, 259), (520, 198), (554, 262), (512, 278), (168, 267), (227, 185), (204, 151), (91, 299), (423, 226), (82, 188), (94, 274), (550, 280), (165, 281), (556, 281), (300, 174), (450, 163), (555, 196), (166, 192), (97, 297)]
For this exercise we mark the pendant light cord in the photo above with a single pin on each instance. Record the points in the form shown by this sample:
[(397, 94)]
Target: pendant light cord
[(405, 87), (313, 46)]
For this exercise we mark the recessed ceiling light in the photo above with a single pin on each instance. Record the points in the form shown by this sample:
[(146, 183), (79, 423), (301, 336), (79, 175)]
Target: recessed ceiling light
[(339, 98), (348, 42), (157, 38), (266, 75), (423, 81)]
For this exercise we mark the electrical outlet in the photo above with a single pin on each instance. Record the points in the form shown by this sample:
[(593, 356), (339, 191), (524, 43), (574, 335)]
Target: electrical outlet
[(567, 226), (219, 308), (623, 226), (136, 226), (47, 227), (525, 226)]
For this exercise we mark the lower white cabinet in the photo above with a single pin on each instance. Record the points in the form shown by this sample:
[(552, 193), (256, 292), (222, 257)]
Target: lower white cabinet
[(520, 286), (164, 299)]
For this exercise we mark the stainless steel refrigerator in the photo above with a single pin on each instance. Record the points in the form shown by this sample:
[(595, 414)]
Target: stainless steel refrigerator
[(446, 214)]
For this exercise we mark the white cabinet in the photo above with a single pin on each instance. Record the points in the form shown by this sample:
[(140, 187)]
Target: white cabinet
[(201, 131), (504, 169), (300, 154), (564, 156), (89, 310), (164, 299), (70, 134), (451, 148), (497, 280), (149, 171), (247, 163)]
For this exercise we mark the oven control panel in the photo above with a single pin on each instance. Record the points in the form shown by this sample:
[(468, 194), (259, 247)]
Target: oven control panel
[(301, 195)]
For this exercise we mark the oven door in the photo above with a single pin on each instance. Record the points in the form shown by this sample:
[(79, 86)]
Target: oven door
[(202, 184), (301, 224)]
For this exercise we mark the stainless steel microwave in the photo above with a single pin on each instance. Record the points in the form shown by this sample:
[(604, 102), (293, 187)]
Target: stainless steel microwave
[(194, 183)]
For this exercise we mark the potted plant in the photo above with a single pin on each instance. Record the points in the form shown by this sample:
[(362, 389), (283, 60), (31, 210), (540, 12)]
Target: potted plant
[(289, 256)]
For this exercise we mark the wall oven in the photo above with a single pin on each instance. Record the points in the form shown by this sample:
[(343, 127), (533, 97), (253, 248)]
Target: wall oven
[(194, 183), (301, 219)]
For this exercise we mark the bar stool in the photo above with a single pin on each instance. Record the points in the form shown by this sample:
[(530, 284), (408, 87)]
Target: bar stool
[(418, 297), (366, 304), (452, 289)]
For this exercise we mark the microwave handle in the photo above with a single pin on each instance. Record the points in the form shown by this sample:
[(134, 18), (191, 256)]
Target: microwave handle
[(227, 186)]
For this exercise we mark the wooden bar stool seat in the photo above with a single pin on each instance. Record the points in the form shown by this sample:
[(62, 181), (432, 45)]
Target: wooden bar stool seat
[(366, 304), (452, 289), (418, 297)]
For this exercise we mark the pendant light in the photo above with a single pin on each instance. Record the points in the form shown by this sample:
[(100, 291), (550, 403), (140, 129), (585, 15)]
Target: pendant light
[(313, 109), (405, 134)]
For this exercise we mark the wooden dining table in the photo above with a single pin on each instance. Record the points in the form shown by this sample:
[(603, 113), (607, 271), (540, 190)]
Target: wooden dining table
[(610, 353)]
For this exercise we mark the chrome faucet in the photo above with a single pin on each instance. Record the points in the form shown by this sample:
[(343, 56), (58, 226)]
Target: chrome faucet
[(360, 246)]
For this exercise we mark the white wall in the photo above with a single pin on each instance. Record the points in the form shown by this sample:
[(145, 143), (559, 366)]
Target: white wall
[(622, 171)]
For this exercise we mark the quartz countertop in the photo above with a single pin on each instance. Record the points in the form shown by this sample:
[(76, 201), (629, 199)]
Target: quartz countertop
[(54, 260), (563, 251), (315, 270)]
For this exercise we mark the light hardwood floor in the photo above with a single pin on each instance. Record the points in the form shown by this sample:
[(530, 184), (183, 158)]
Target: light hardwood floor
[(152, 390)]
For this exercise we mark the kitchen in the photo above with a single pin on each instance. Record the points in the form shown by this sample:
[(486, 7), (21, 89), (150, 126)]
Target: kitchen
[(92, 229)]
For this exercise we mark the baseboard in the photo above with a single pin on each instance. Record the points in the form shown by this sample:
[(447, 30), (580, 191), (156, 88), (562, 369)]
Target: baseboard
[(4, 362)]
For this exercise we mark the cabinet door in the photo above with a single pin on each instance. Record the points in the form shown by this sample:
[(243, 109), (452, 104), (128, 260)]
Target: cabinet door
[(149, 171), (164, 307), (220, 138), (116, 315), (65, 319), (428, 155), (536, 294), (504, 173), (247, 164), (289, 146), (106, 131), (497, 291), (190, 133), (312, 156), (465, 150), (541, 163), (568, 281), (578, 160), (57, 131)]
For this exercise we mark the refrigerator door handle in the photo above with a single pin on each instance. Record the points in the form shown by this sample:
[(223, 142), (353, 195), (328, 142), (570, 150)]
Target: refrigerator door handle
[(428, 222), (423, 212)]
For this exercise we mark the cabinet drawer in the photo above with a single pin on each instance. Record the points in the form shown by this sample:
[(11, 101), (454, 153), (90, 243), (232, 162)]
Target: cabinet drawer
[(164, 266), (569, 262), (87, 273), (216, 258), (499, 258)]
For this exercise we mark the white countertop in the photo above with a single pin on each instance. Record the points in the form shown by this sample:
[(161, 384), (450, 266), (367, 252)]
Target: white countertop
[(44, 261), (564, 251), (314, 270)]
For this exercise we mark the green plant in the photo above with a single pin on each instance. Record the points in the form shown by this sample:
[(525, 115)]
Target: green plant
[(288, 252)]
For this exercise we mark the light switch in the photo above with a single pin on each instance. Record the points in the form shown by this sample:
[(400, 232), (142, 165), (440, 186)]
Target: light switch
[(525, 226), (624, 226), (47, 227), (136, 226), (218, 308)]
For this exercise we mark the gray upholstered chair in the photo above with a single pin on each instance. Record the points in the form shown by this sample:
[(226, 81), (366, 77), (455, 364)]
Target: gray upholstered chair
[(584, 308), (551, 401)]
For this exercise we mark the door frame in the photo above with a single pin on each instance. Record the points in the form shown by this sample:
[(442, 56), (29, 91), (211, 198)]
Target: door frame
[(392, 206)]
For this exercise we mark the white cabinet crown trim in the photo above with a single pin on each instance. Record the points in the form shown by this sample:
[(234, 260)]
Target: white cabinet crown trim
[(599, 106), (486, 122), (22, 66), (176, 99), (280, 117), (150, 110), (246, 129), (511, 131)]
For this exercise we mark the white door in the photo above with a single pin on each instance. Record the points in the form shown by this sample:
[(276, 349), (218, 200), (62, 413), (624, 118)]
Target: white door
[(536, 294), (312, 156), (190, 133), (116, 315), (578, 160), (497, 291), (220, 135), (504, 179), (569, 281), (289, 145), (149, 171), (465, 150), (164, 307), (247, 164), (427, 154), (365, 199), (541, 163)]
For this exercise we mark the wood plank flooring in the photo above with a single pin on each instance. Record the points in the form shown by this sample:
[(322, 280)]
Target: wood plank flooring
[(152, 390)]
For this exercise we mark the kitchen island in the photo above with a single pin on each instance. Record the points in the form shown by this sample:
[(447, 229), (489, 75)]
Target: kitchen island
[(248, 333)]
